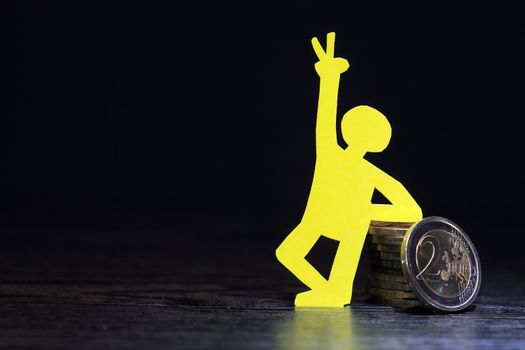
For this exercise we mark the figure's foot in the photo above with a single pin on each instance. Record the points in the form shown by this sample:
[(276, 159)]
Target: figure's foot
[(317, 298)]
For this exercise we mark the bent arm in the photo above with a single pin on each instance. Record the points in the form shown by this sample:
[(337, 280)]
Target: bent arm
[(403, 207)]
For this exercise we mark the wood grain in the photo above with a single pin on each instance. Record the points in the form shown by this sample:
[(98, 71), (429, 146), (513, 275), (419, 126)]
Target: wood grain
[(153, 290)]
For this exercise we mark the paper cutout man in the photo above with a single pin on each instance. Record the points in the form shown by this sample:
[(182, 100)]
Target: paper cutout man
[(339, 206)]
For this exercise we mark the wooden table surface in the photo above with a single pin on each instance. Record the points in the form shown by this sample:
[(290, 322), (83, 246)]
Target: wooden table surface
[(169, 289)]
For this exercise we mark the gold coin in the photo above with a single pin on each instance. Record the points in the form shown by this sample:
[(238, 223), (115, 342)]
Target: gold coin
[(388, 240), (383, 248), (387, 231), (387, 293), (442, 264), (376, 270), (388, 277), (405, 225), (399, 303), (387, 263), (387, 256), (400, 286)]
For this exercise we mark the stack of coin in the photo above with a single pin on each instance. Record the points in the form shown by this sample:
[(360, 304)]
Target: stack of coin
[(386, 283), (431, 263)]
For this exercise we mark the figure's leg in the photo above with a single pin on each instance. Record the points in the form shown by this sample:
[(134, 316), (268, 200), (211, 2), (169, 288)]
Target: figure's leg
[(291, 253), (340, 282)]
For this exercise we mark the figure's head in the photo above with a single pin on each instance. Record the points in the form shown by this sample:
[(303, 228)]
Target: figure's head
[(366, 129)]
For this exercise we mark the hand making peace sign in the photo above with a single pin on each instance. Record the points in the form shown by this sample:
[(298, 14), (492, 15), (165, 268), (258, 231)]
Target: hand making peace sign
[(328, 65)]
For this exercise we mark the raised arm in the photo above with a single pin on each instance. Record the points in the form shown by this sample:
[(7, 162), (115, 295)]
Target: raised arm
[(403, 208), (329, 70)]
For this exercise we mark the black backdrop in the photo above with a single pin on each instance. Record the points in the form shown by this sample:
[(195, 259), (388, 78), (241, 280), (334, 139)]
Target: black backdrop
[(144, 114)]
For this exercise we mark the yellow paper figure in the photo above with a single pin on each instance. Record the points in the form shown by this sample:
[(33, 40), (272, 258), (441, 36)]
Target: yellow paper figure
[(339, 206)]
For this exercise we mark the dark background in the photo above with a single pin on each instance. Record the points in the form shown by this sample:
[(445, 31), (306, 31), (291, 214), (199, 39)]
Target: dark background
[(147, 115)]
